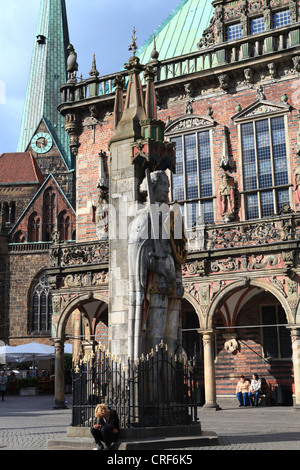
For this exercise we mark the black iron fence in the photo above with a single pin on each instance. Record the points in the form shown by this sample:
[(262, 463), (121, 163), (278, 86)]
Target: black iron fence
[(159, 389)]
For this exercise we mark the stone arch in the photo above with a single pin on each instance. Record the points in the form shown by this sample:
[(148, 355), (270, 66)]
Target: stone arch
[(194, 304), (237, 285), (74, 303), (191, 339)]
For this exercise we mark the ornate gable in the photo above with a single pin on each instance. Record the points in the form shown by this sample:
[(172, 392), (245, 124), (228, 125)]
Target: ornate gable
[(261, 107), (189, 122), (35, 213)]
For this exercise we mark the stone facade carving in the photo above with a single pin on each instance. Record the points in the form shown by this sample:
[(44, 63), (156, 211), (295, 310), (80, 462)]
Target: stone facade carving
[(100, 279), (75, 280), (262, 261), (189, 122), (229, 264), (191, 289), (231, 344), (226, 161), (76, 255), (278, 284)]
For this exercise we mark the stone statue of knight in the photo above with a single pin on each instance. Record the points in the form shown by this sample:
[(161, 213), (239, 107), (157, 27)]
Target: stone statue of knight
[(155, 283)]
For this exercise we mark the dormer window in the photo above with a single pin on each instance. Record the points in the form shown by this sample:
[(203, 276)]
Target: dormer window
[(257, 25), (41, 39), (233, 32), (281, 18)]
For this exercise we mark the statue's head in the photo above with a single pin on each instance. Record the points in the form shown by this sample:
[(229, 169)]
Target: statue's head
[(160, 186)]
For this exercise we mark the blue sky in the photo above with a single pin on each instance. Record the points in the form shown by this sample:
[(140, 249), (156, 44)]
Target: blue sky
[(101, 27)]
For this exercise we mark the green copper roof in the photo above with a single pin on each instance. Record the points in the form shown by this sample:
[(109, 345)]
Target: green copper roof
[(47, 74), (180, 32)]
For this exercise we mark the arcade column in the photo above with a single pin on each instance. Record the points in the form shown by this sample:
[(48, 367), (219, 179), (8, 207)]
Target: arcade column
[(209, 370)]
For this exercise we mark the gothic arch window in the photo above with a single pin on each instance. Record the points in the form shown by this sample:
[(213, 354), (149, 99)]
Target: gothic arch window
[(192, 185), (41, 303), (64, 226), (5, 213), (49, 213), (34, 228), (19, 237), (12, 212)]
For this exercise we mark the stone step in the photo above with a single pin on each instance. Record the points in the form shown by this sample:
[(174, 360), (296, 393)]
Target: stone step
[(204, 438)]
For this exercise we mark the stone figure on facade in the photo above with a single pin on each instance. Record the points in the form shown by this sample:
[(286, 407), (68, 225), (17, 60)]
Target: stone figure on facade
[(101, 210), (72, 65), (155, 258), (297, 185), (226, 197)]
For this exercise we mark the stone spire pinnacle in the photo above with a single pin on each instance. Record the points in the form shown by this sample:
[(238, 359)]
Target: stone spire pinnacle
[(128, 124), (94, 72), (150, 101)]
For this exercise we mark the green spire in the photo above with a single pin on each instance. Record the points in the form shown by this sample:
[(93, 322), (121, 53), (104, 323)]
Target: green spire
[(47, 74)]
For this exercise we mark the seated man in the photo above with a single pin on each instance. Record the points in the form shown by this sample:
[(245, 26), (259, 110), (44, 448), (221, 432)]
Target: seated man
[(242, 391), (105, 429)]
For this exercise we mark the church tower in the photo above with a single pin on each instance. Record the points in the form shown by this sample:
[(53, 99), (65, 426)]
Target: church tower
[(42, 128)]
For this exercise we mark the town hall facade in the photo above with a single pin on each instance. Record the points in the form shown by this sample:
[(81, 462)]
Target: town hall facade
[(226, 80)]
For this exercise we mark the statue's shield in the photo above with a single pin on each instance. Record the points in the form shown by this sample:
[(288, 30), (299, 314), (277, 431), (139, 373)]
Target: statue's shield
[(177, 236)]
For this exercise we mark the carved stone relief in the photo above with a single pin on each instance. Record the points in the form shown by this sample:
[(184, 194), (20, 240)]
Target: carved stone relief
[(229, 264), (262, 261), (278, 284), (189, 122)]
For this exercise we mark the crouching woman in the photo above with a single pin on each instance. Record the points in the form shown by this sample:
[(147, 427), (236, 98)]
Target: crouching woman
[(105, 429)]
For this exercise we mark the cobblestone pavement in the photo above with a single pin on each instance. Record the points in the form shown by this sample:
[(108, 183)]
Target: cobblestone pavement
[(27, 423), (261, 428)]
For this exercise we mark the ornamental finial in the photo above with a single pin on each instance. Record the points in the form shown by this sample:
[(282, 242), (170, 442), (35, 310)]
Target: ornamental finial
[(133, 46)]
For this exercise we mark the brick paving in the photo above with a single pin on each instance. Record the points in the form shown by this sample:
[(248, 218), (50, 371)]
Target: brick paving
[(27, 423)]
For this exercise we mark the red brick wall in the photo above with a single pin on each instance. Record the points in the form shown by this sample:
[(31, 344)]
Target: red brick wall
[(249, 359), (224, 108)]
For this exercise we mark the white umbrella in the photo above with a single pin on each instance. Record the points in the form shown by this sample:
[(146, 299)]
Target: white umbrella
[(6, 354), (28, 351), (68, 348)]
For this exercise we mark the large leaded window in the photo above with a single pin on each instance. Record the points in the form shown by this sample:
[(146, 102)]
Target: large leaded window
[(265, 170), (192, 185), (41, 303)]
